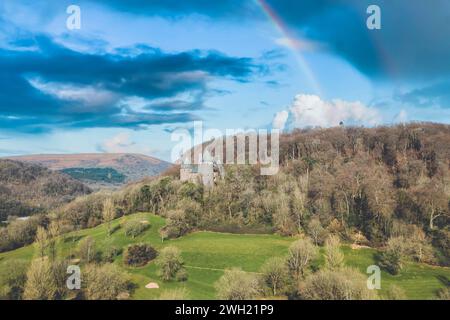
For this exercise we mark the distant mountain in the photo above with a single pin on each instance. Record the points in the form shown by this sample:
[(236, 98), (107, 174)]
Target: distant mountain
[(100, 169), (27, 189)]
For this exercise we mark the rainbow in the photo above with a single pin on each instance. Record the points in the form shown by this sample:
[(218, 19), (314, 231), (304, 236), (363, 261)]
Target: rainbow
[(284, 31)]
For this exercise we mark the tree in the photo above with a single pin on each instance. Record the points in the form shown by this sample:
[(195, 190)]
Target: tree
[(42, 240), (41, 284), (53, 233), (170, 263), (108, 213), (104, 282), (433, 197), (282, 215), (275, 275), (177, 223), (315, 230), (301, 253), (391, 259), (343, 284), (87, 250), (334, 258), (236, 284)]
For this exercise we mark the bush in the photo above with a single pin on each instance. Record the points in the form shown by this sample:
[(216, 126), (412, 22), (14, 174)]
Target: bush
[(181, 275), (105, 282), (444, 294), (395, 293), (170, 263), (139, 254), (133, 228), (13, 275), (236, 284), (344, 284), (111, 253)]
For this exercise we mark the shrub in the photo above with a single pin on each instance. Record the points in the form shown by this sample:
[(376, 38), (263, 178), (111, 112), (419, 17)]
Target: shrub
[(395, 293), (236, 284), (343, 284), (12, 279), (170, 263), (104, 282), (111, 253), (139, 254), (444, 294), (181, 275), (133, 228)]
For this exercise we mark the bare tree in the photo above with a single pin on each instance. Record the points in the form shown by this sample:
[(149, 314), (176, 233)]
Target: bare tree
[(301, 253), (108, 213)]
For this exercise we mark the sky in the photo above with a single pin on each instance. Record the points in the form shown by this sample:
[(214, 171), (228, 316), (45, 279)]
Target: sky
[(136, 71)]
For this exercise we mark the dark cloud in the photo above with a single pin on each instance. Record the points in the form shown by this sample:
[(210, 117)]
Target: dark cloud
[(233, 9), (430, 96), (44, 85), (412, 43)]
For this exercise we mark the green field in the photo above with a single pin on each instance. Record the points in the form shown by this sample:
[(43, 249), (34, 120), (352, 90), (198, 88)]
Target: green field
[(207, 254)]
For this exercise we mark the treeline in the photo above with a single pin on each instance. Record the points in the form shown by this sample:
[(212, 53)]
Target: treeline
[(370, 186)]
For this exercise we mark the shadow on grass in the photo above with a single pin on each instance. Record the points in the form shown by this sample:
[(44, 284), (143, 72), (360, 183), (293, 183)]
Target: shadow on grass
[(444, 280), (75, 238), (114, 229)]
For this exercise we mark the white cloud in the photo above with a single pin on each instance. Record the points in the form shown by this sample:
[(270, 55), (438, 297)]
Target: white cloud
[(122, 143), (312, 111), (279, 121), (90, 96)]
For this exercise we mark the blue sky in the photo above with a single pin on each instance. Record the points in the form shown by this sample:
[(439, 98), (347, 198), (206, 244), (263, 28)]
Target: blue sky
[(137, 70)]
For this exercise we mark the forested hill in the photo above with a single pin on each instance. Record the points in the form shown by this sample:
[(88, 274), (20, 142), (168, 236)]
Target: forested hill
[(100, 170), (380, 186), (26, 189)]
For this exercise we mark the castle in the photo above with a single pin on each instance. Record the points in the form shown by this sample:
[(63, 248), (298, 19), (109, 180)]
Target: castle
[(206, 171)]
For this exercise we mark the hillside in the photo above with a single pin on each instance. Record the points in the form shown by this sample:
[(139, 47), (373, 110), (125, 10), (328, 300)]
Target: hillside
[(208, 254), (369, 196), (26, 189), (100, 169)]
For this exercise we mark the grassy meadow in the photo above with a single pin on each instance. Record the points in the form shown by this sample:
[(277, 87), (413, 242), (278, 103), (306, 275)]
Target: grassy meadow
[(207, 254)]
